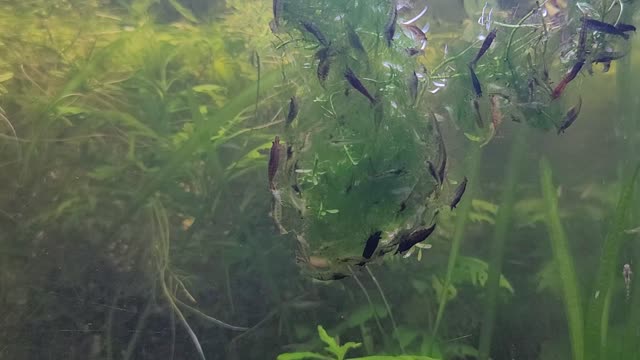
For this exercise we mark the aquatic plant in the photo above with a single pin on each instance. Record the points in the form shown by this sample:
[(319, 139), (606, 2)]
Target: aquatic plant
[(357, 133), (95, 114), (338, 352), (529, 99), (564, 263), (320, 183), (588, 337), (503, 222), (135, 141), (460, 225)]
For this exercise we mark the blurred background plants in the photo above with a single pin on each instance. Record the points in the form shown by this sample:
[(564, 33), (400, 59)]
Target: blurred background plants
[(121, 131)]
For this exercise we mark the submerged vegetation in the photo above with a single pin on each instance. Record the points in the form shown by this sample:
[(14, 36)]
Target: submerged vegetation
[(221, 179)]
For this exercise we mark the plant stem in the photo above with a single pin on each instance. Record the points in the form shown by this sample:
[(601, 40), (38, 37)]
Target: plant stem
[(138, 330), (161, 228), (507, 50), (170, 299), (109, 327), (386, 303), (366, 295), (513, 32), (213, 320), (462, 217), (172, 319), (503, 222)]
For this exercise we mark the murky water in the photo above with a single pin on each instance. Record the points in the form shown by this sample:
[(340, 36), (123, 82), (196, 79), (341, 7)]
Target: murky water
[(249, 179)]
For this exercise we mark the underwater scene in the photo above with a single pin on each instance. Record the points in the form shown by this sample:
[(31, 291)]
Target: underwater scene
[(319, 179)]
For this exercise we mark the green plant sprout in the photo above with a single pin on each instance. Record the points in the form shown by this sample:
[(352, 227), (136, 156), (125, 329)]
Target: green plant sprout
[(335, 351)]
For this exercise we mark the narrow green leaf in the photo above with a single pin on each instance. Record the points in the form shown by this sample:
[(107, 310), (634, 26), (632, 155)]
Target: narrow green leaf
[(186, 13), (501, 229), (6, 76), (70, 110), (462, 217), (209, 88), (472, 137), (479, 218), (564, 262), (400, 357), (301, 356), (598, 309), (104, 172)]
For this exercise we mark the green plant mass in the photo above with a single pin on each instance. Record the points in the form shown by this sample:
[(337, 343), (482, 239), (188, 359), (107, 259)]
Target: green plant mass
[(359, 147), (226, 179)]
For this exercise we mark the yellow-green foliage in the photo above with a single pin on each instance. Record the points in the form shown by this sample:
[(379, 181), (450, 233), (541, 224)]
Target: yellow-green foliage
[(104, 111)]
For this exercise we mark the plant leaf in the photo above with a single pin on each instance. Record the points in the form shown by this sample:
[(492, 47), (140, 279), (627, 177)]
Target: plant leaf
[(472, 168), (216, 93), (406, 335), (472, 137), (300, 356), (70, 110), (400, 357), (364, 313), (478, 217), (598, 309), (489, 207), (476, 271), (186, 13), (332, 345), (564, 262), (6, 76), (438, 287), (342, 351)]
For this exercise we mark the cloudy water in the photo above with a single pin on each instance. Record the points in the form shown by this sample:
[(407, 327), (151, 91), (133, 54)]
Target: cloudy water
[(329, 179)]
